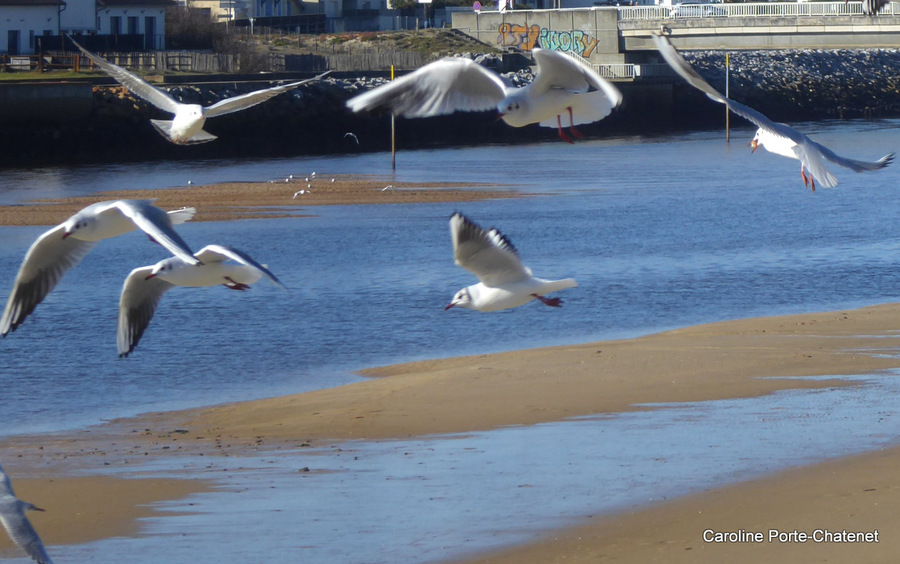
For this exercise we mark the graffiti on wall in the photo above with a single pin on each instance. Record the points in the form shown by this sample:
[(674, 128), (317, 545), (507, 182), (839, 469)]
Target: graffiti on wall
[(529, 37)]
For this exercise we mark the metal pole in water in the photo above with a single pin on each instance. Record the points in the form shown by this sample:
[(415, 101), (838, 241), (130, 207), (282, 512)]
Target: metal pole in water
[(393, 134), (727, 111)]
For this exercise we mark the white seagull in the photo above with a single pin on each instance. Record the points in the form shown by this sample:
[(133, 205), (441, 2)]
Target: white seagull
[(777, 138), (186, 128), (17, 525), (145, 286), (505, 281), (563, 86), (64, 246)]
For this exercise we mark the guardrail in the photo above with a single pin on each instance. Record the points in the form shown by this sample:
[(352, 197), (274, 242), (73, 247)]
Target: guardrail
[(741, 10)]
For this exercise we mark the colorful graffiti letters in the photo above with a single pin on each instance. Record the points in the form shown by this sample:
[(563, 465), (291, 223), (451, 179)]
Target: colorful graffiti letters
[(528, 37), (576, 41), (518, 36)]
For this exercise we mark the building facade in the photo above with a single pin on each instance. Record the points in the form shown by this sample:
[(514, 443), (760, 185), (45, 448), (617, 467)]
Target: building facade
[(23, 23)]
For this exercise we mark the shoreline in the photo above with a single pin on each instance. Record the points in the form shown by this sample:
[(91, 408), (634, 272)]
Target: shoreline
[(456, 395)]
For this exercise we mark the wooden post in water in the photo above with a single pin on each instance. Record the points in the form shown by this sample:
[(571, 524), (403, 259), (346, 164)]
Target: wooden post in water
[(393, 133), (727, 93)]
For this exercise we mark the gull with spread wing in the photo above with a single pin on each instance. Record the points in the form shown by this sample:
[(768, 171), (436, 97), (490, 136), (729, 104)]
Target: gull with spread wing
[(17, 525), (145, 286), (186, 127), (504, 281), (64, 246), (777, 138), (563, 87)]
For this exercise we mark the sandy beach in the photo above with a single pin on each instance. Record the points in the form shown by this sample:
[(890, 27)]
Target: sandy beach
[(730, 359)]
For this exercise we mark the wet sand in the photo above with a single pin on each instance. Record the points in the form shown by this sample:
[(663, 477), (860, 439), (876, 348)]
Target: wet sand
[(722, 360), (251, 200)]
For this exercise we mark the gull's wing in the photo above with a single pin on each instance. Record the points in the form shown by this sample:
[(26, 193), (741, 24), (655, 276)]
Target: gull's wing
[(22, 532), (155, 223), (442, 87), (486, 254), (17, 525), (680, 66), (853, 164), (556, 70), (137, 304), (137, 85), (219, 253), (45, 263), (808, 151), (244, 101)]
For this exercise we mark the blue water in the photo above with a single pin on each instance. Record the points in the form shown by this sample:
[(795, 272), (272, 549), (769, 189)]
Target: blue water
[(660, 232)]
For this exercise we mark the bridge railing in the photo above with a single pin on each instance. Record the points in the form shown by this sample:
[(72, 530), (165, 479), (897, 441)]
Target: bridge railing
[(744, 10), (624, 71)]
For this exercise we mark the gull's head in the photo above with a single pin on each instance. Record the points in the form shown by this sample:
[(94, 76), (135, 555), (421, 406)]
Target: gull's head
[(513, 109), (73, 225), (162, 267), (755, 143), (462, 299)]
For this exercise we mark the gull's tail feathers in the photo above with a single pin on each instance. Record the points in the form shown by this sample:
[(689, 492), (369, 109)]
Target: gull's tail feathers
[(177, 217), (164, 127)]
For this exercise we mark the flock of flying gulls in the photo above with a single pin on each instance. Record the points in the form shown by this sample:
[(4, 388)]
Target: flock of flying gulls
[(565, 93)]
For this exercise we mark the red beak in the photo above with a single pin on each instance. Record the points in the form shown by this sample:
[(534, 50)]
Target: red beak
[(149, 276), (448, 307), (753, 146)]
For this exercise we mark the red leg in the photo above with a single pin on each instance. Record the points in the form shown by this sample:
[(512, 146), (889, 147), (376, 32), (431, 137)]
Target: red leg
[(808, 179), (552, 302), (562, 134), (574, 131)]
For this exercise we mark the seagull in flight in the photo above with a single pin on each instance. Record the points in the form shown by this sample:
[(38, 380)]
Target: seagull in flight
[(145, 286), (563, 87), (17, 525), (64, 246), (186, 128), (777, 138), (504, 281)]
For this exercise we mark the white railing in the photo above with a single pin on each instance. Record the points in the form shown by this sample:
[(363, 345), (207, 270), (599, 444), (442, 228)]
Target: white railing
[(623, 71), (765, 9)]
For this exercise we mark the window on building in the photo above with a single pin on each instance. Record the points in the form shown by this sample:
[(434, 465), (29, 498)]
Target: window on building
[(132, 25), (115, 25), (149, 32), (12, 42)]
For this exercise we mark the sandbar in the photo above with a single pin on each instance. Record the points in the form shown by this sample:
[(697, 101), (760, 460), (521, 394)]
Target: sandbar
[(253, 200), (729, 359)]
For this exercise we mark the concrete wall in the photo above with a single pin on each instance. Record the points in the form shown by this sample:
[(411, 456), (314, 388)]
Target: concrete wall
[(596, 33), (590, 32)]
